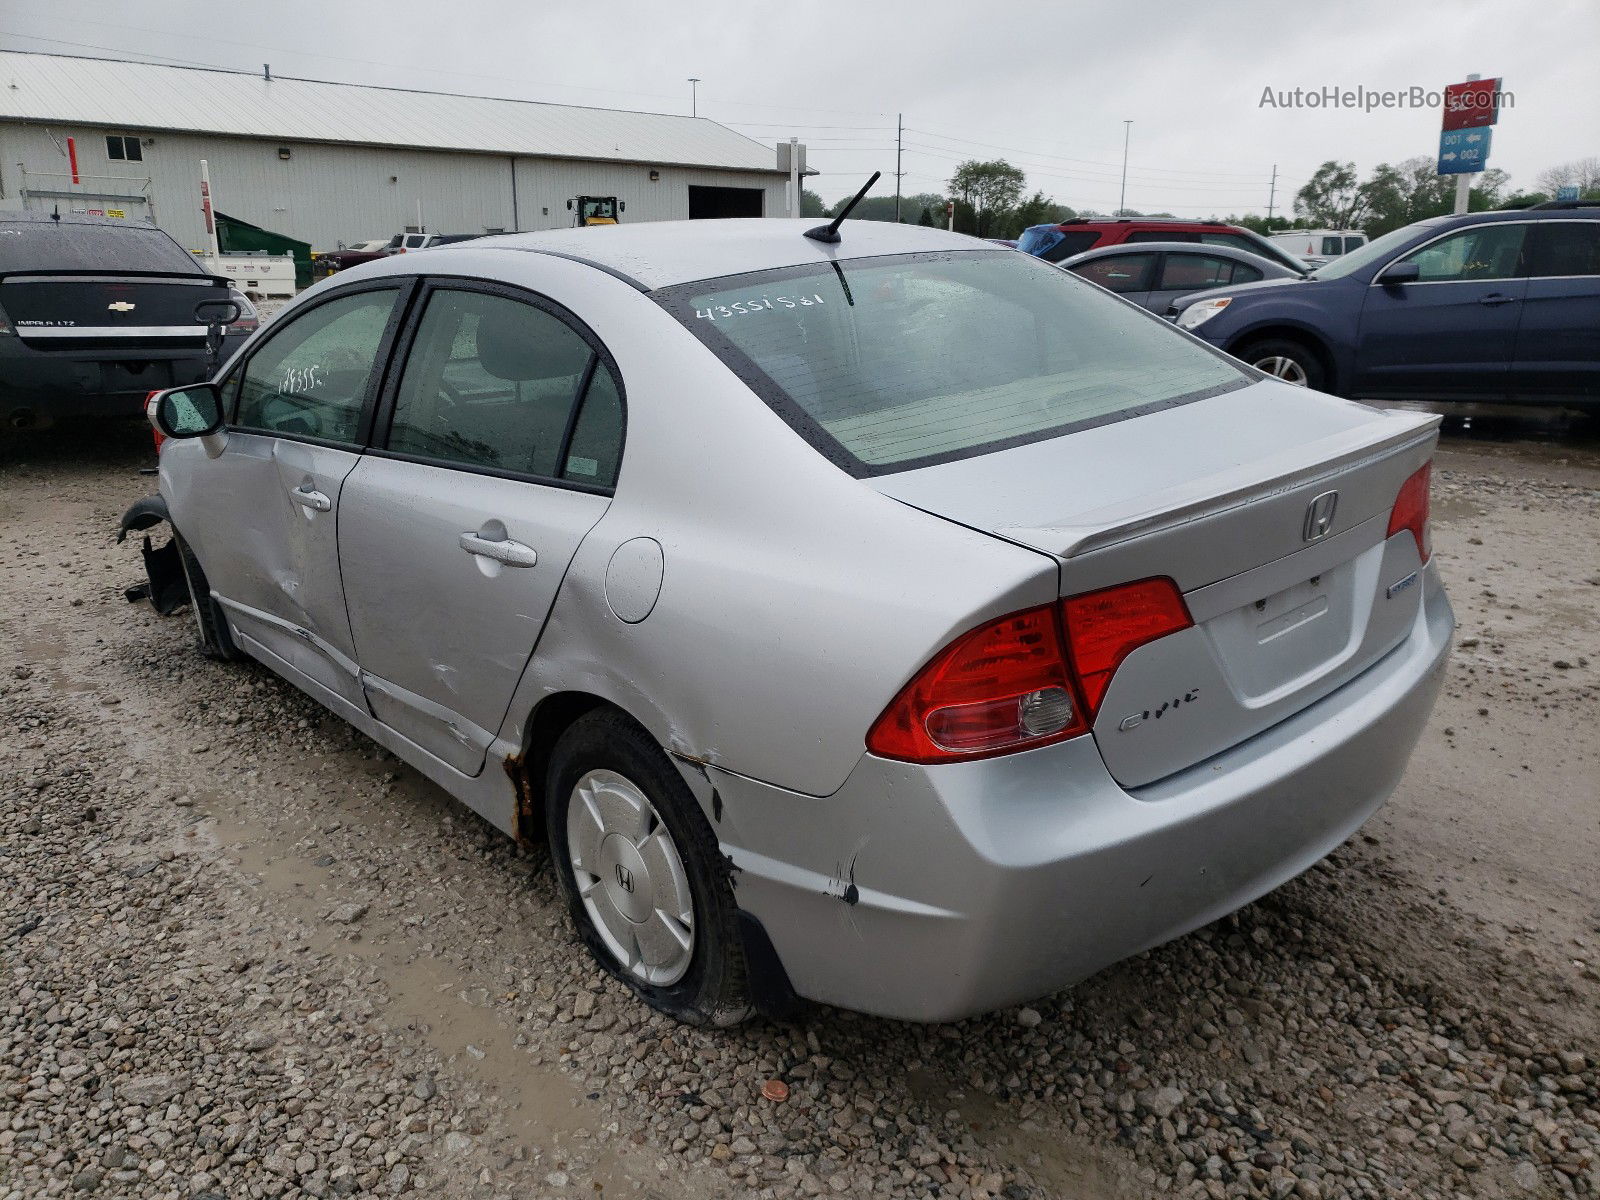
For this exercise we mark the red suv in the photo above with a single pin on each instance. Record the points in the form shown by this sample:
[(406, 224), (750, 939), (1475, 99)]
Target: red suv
[(1056, 242)]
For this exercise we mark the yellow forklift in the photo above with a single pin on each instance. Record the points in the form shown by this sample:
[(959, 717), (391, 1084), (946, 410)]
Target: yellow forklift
[(595, 210)]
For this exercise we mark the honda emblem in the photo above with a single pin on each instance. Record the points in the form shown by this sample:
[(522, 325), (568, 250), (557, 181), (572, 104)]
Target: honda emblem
[(1319, 516), (624, 878)]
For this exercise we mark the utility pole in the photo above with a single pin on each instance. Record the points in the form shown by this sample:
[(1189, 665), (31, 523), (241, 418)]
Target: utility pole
[(694, 108), (795, 195), (899, 132), (1464, 182), (1122, 201), (1272, 194)]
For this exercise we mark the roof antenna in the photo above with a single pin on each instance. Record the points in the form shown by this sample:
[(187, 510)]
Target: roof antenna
[(55, 214), (830, 233), (266, 71)]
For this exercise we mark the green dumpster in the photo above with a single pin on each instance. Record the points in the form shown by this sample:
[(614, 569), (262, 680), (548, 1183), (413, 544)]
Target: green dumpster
[(234, 236)]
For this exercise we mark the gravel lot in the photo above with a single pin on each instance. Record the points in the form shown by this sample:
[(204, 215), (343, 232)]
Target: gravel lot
[(244, 952)]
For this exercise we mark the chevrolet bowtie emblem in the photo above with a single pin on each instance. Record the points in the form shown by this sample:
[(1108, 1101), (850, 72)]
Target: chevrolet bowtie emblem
[(121, 306)]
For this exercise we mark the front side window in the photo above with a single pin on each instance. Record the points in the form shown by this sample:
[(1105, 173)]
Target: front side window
[(1481, 252), (1332, 246), (1191, 272), (496, 382), (888, 363), (1118, 272), (1559, 249), (1354, 243), (311, 378)]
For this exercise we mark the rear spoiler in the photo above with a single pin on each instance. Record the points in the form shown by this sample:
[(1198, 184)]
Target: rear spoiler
[(1224, 490)]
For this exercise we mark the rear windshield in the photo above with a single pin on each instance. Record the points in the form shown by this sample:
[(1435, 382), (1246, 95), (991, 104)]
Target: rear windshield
[(30, 245), (885, 364)]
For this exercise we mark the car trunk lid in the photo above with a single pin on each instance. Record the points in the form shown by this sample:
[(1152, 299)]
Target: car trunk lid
[(1268, 506), (78, 311)]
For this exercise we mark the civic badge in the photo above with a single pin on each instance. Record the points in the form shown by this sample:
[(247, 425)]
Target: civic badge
[(1319, 516), (121, 306)]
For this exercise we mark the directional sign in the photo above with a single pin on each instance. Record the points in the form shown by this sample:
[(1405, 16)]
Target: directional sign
[(1463, 151), (1567, 193), (1472, 104)]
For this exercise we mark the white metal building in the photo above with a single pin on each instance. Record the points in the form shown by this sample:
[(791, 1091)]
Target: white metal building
[(332, 162)]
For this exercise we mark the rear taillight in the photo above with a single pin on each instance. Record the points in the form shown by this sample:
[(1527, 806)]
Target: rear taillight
[(1105, 627), (1411, 510), (1011, 684), (5, 323), (150, 415)]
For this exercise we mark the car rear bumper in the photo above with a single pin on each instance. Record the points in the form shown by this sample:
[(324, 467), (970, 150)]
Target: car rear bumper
[(38, 388), (932, 894)]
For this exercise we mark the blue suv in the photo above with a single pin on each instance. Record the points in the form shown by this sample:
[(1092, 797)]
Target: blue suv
[(1500, 306)]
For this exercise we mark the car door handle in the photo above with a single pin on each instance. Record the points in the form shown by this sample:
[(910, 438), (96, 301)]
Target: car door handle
[(512, 554), (311, 498), (1494, 298)]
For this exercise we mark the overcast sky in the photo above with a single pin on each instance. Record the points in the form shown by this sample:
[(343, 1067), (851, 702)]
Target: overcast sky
[(1045, 85)]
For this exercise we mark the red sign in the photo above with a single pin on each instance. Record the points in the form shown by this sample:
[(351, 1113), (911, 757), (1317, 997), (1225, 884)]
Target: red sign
[(1471, 104)]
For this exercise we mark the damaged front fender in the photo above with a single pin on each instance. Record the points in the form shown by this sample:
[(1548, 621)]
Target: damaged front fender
[(166, 588)]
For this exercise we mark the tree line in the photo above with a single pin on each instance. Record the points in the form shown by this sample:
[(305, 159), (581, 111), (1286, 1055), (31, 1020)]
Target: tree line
[(989, 200)]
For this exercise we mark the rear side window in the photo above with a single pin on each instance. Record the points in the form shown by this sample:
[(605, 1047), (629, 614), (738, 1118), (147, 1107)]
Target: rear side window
[(1354, 243), (1191, 272), (1118, 272), (499, 383), (1558, 249), (1164, 235), (311, 378), (1053, 244), (889, 363)]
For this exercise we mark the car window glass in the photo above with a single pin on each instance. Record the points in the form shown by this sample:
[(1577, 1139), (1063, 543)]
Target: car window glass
[(1118, 272), (1481, 252), (490, 382), (1228, 239), (1243, 273), (900, 360), (1564, 248), (1071, 242), (1332, 245), (1163, 235), (1353, 243), (310, 378), (596, 446), (1191, 272)]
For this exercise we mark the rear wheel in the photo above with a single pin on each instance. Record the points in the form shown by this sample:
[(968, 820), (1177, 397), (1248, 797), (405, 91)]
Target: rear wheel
[(1286, 359), (216, 640), (641, 872)]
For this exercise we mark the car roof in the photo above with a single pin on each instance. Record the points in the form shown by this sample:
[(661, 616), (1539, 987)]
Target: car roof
[(657, 254)]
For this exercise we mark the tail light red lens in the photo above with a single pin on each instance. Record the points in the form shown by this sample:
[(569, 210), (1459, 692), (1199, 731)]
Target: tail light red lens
[(1411, 509), (149, 412), (1003, 686), (1026, 680), (1105, 627)]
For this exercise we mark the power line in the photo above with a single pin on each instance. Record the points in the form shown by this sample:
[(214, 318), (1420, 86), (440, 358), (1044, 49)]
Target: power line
[(1255, 176)]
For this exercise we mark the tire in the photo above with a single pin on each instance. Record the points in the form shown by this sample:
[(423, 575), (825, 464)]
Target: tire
[(647, 858), (1288, 360), (216, 641)]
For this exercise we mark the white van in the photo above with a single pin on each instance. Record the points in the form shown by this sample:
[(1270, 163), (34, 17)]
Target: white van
[(1319, 245)]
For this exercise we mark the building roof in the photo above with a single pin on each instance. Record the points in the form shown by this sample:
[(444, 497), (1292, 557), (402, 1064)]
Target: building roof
[(66, 90)]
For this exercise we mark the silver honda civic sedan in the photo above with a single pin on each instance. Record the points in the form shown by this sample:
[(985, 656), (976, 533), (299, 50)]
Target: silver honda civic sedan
[(899, 623)]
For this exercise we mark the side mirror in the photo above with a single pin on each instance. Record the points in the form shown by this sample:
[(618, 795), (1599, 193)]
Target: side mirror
[(186, 412), (217, 312), (1401, 272)]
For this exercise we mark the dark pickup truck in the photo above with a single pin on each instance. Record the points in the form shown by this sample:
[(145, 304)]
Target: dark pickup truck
[(96, 313)]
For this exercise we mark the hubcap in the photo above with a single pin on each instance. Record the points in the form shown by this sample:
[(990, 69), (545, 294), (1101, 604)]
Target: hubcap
[(1285, 369), (630, 877)]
